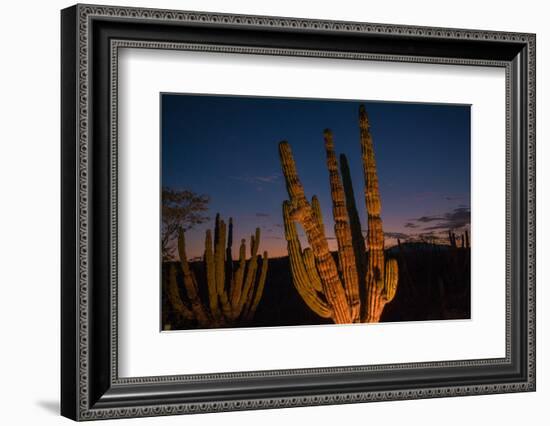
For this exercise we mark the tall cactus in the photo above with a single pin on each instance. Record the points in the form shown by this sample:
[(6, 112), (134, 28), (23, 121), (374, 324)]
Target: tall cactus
[(233, 294), (357, 287)]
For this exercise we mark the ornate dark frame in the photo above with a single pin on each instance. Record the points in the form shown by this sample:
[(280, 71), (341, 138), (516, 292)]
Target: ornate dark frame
[(91, 37)]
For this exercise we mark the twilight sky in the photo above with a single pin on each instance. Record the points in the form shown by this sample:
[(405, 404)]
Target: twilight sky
[(226, 147)]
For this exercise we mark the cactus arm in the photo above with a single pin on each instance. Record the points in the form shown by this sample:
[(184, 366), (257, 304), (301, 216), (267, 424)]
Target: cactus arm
[(303, 213), (175, 297), (313, 275), (377, 299), (300, 276), (316, 206), (346, 255), (391, 277), (190, 284)]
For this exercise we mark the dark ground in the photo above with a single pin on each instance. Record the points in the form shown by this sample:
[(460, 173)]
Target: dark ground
[(434, 284)]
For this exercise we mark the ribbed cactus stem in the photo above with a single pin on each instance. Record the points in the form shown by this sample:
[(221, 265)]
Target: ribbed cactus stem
[(229, 251), (220, 261), (190, 283), (239, 275), (375, 233), (250, 270), (255, 298), (381, 276), (175, 297), (452, 239), (211, 277), (346, 255), (219, 254)]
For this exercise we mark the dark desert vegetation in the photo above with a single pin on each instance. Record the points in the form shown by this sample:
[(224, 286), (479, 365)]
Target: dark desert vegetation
[(434, 280), (181, 209), (434, 284)]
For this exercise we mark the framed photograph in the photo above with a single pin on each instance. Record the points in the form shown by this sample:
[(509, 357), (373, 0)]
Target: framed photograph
[(263, 212)]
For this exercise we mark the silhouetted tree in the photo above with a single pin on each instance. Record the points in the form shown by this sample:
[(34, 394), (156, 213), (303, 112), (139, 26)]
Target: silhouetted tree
[(180, 209)]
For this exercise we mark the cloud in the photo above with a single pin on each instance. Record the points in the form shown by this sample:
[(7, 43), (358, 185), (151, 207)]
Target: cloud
[(454, 219), (430, 237), (410, 225), (259, 214), (454, 197), (428, 234), (258, 179), (396, 235), (428, 219)]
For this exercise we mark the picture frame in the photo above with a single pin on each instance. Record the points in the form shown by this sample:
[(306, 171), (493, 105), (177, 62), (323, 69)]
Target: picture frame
[(90, 384)]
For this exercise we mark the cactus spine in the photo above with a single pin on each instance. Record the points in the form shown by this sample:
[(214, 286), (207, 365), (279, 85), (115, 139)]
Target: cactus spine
[(233, 294), (356, 289)]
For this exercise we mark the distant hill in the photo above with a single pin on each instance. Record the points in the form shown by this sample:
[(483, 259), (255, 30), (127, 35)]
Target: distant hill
[(418, 246)]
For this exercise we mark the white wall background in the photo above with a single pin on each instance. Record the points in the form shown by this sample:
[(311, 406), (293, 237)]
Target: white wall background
[(29, 212)]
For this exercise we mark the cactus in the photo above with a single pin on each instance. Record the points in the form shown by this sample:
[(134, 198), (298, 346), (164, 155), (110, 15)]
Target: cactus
[(452, 239), (356, 287), (464, 240), (233, 294)]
